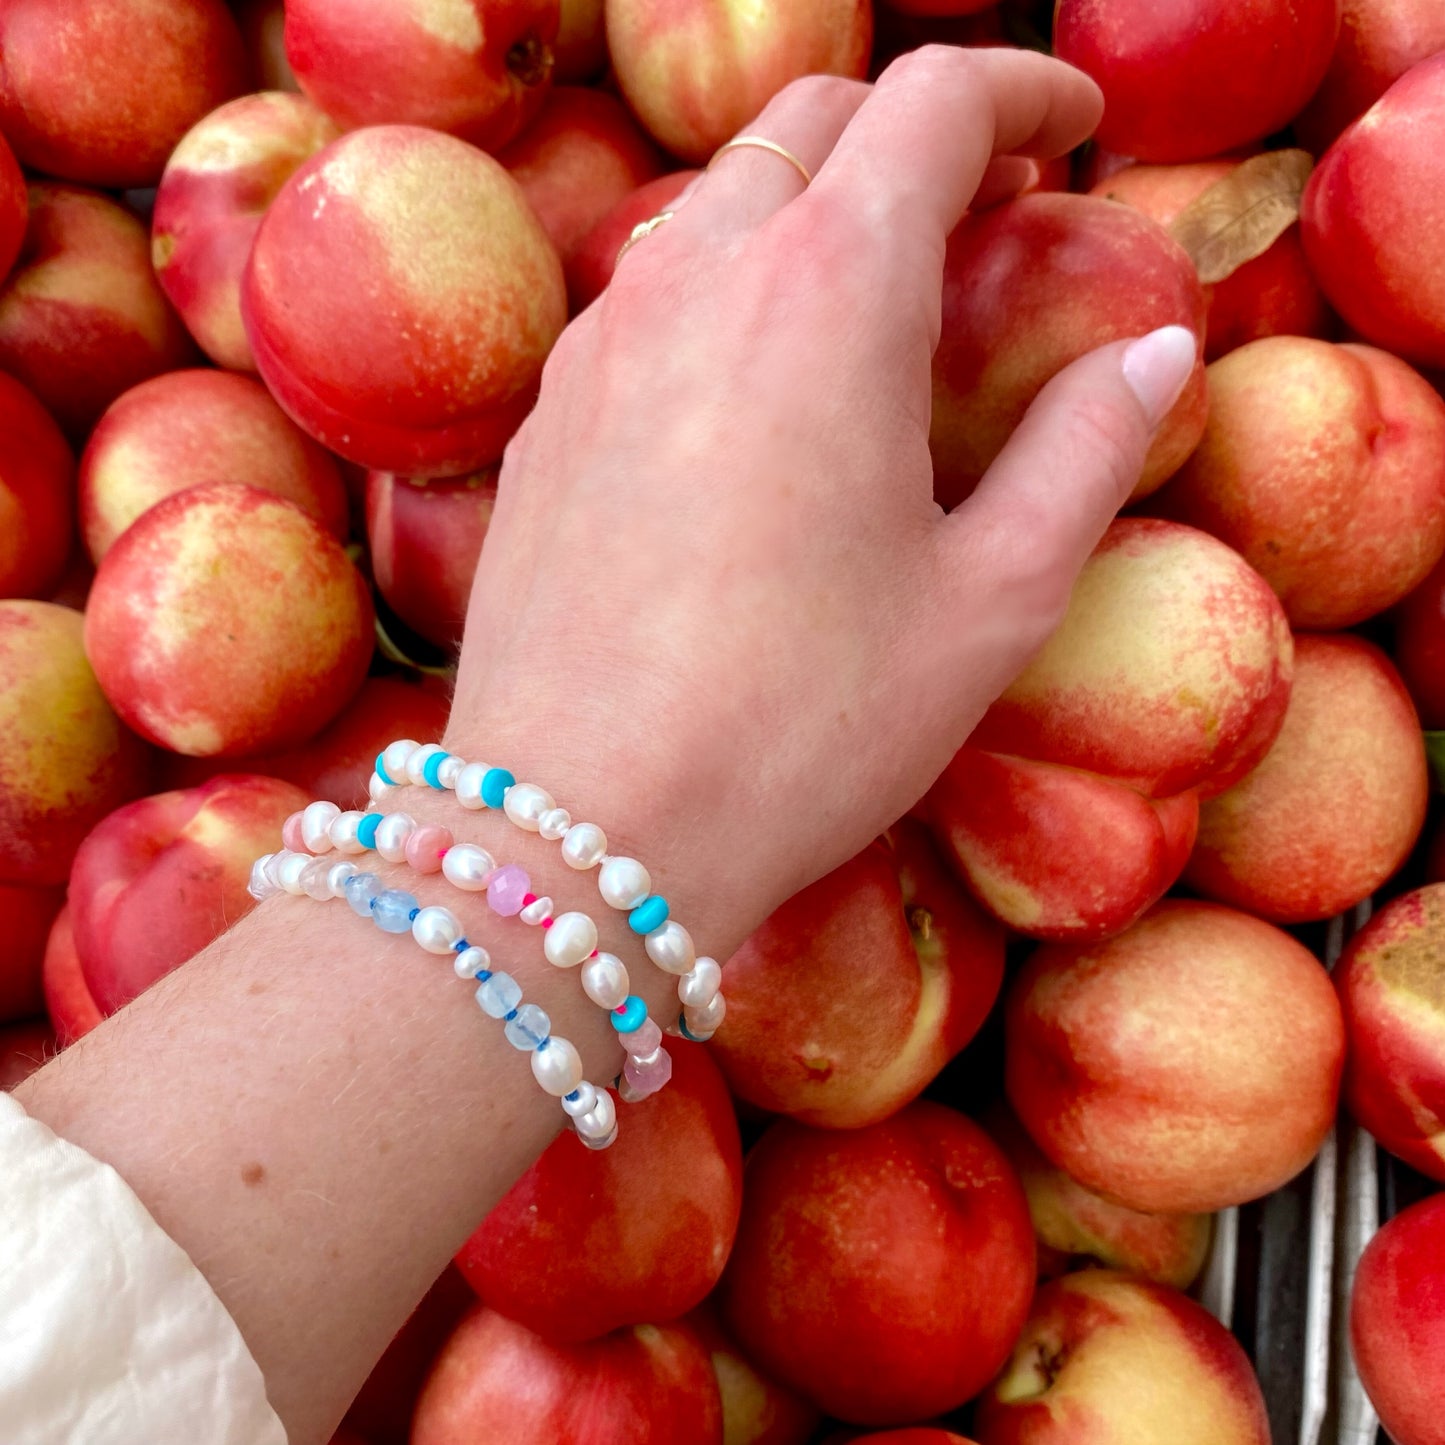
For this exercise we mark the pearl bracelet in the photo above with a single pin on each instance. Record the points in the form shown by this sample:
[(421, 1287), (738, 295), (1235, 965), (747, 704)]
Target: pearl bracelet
[(624, 883), (569, 939), (556, 1064)]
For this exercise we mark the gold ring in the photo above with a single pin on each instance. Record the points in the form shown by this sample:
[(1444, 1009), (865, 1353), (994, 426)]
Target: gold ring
[(763, 144), (643, 228)]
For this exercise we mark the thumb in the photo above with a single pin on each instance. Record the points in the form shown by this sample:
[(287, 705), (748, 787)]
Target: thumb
[(1019, 541)]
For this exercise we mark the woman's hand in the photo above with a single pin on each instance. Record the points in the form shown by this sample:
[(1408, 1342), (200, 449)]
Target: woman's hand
[(717, 586)]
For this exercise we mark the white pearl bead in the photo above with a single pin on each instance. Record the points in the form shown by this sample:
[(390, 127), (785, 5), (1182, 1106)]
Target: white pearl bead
[(552, 825), (671, 948), (557, 1066), (449, 771), (343, 832), (707, 1019), (290, 869), (570, 939), (605, 981), (418, 760), (464, 865), (537, 911), (468, 785), (436, 929), (336, 878), (316, 820), (525, 803), (624, 882), (391, 835), (584, 846), (471, 961), (599, 1121), (697, 989), (394, 758), (261, 885), (598, 1145), (379, 791), (582, 1104)]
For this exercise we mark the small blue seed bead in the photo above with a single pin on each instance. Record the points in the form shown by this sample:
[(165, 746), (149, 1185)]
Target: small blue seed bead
[(649, 914), (361, 888), (366, 830), (394, 910), (460, 946), (510, 1015), (573, 1096), (430, 769), (629, 1015), (382, 773), (683, 1029), (495, 782), (483, 974)]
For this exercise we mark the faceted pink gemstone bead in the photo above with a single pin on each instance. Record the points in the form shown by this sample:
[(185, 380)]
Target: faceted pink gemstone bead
[(291, 834), (642, 1040), (647, 1075), (507, 889), (425, 846)]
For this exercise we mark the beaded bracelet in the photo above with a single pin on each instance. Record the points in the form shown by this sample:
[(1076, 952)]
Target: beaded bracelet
[(624, 883), (556, 1064), (569, 939)]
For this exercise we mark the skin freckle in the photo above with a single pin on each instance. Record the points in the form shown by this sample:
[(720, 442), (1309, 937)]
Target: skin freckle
[(252, 1174)]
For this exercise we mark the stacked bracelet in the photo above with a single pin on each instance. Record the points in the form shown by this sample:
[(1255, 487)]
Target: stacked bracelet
[(556, 1064), (624, 883), (569, 939)]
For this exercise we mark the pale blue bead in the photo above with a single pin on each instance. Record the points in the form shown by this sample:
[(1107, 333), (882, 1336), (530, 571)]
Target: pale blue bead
[(393, 910), (361, 888), (499, 995), (530, 1026)]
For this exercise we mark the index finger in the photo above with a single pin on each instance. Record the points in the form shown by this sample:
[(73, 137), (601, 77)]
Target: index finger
[(911, 159)]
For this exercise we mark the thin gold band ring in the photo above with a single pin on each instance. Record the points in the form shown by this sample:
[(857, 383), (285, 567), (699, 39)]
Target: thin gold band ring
[(762, 143)]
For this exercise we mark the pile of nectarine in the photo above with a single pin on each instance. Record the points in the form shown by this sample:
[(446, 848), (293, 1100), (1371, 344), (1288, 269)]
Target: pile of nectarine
[(949, 1170)]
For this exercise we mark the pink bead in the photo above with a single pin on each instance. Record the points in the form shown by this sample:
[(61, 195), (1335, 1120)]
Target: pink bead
[(507, 889), (648, 1075), (642, 1040), (425, 846), (291, 834)]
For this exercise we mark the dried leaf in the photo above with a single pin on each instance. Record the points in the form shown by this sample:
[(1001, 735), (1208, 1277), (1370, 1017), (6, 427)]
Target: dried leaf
[(1243, 215), (392, 651)]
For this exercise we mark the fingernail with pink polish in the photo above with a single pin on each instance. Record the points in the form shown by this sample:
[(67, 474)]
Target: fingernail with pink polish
[(1156, 367)]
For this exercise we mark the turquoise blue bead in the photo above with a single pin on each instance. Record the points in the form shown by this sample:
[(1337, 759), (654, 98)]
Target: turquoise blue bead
[(366, 830), (495, 782), (649, 914), (382, 773), (361, 888), (393, 910), (430, 769), (630, 1014)]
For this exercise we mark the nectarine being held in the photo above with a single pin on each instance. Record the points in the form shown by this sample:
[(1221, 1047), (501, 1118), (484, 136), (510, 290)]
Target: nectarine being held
[(1030, 286)]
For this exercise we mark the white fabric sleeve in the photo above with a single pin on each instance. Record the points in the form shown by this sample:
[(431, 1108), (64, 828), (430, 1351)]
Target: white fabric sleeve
[(109, 1335)]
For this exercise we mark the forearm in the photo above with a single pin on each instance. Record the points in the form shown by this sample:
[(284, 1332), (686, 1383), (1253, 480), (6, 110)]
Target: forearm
[(319, 1113)]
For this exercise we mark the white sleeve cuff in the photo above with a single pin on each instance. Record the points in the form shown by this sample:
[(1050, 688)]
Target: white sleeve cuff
[(108, 1333)]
